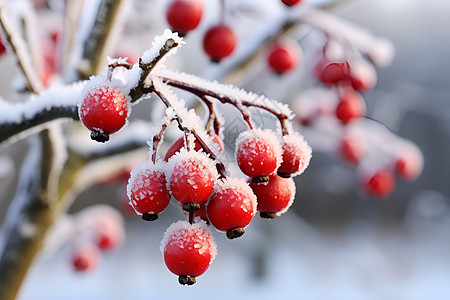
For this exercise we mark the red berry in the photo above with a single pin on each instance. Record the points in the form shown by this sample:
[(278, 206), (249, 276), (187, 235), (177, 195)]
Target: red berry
[(283, 56), (380, 184), (350, 107), (188, 250), (178, 144), (103, 110), (219, 42), (296, 155), (85, 258), (363, 76), (191, 176), (147, 190), (109, 233), (2, 47), (184, 15), (290, 2), (333, 73), (258, 152), (275, 197), (231, 206), (409, 162), (351, 148)]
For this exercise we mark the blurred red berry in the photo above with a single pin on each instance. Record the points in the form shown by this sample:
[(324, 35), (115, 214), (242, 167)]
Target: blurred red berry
[(219, 42), (184, 15)]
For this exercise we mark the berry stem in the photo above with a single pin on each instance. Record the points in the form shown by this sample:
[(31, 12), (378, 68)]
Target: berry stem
[(141, 88), (157, 139)]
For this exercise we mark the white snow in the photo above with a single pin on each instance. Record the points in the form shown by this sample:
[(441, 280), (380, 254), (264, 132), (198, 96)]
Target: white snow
[(225, 90), (158, 43), (56, 96)]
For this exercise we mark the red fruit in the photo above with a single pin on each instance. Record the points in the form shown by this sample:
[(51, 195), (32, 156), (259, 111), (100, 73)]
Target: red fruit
[(188, 250), (85, 258), (362, 76), (2, 47), (333, 73), (147, 190), (103, 110), (275, 197), (409, 163), (283, 57), (178, 144), (109, 233), (184, 15), (231, 207), (258, 152), (296, 155), (290, 2), (379, 184), (191, 176), (351, 148), (350, 107), (219, 42)]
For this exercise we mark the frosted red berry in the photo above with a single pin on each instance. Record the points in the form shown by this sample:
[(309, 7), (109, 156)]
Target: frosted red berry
[(333, 73), (258, 152), (231, 207), (379, 184), (351, 106), (296, 155), (291, 2), (409, 162), (178, 144), (219, 42), (103, 110), (363, 76), (283, 57), (351, 148), (191, 176), (85, 257), (188, 250), (184, 15), (109, 233), (147, 190), (275, 197)]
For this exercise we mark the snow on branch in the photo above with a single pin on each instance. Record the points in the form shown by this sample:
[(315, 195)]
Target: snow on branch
[(379, 50), (54, 103)]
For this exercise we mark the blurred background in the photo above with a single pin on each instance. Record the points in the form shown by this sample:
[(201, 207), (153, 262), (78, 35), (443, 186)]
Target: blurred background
[(335, 242)]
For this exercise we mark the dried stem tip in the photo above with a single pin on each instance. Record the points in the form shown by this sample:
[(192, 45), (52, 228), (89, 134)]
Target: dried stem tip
[(100, 136), (284, 175), (191, 207), (260, 179), (186, 279), (234, 233), (268, 215), (149, 217)]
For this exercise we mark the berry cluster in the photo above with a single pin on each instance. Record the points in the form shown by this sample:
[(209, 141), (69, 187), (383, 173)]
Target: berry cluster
[(192, 171), (219, 40), (191, 177), (95, 229)]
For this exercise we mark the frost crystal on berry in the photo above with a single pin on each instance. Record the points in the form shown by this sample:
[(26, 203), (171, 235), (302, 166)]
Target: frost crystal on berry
[(258, 152), (296, 155)]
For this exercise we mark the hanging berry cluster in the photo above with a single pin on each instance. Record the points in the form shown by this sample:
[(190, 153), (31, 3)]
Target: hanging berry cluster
[(220, 40), (193, 171)]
